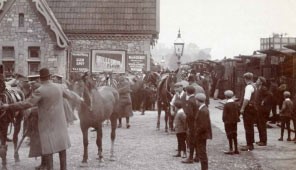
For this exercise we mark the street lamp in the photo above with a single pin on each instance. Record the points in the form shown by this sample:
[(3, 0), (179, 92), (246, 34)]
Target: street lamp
[(179, 47)]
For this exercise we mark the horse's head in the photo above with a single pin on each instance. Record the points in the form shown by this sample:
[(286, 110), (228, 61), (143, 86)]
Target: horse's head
[(151, 78), (172, 80), (89, 81)]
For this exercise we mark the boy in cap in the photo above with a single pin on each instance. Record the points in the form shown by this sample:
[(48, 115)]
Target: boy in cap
[(230, 118), (180, 128), (285, 114), (202, 129)]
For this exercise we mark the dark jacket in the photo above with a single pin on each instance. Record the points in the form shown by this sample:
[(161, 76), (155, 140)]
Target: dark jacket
[(125, 101), (190, 109), (230, 112), (203, 129)]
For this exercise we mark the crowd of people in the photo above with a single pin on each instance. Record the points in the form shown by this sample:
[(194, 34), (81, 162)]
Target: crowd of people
[(192, 121), (189, 104), (262, 100)]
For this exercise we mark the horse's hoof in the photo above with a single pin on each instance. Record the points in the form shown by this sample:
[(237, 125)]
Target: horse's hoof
[(101, 160), (166, 130), (17, 159), (112, 158), (83, 164), (4, 167)]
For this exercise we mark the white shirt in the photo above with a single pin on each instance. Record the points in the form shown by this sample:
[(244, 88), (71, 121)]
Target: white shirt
[(229, 100), (248, 91)]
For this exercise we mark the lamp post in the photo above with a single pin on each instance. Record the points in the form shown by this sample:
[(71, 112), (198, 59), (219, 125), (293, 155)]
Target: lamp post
[(179, 48), (162, 63)]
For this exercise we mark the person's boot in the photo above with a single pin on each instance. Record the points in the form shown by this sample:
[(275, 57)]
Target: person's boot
[(230, 152), (63, 160), (235, 146), (289, 135), (127, 123), (42, 166), (49, 162), (189, 160), (282, 135), (3, 153)]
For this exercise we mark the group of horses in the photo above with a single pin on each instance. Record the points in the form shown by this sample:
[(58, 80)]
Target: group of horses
[(100, 103)]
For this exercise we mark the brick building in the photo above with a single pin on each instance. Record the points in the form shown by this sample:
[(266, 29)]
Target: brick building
[(77, 35)]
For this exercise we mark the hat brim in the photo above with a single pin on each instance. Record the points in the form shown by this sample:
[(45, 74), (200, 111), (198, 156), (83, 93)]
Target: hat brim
[(45, 76)]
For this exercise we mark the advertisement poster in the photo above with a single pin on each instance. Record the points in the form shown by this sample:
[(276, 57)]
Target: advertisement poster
[(137, 62), (80, 62), (104, 60)]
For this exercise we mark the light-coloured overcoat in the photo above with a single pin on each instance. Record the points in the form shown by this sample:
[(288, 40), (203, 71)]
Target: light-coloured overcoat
[(52, 123)]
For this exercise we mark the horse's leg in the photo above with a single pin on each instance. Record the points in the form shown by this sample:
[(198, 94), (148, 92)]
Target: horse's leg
[(171, 118), (84, 131), (166, 118), (158, 115), (142, 106), (17, 129), (99, 142), (113, 135), (3, 146)]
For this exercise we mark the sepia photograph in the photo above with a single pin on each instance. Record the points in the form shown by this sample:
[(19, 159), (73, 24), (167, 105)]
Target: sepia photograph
[(147, 85)]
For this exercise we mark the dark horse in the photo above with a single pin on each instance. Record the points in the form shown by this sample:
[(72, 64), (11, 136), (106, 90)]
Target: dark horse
[(99, 105), (165, 93), (9, 95)]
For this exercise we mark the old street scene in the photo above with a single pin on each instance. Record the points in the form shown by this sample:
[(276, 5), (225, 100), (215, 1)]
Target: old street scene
[(147, 85)]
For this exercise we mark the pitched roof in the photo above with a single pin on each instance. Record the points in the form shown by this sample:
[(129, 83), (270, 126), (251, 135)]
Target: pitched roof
[(107, 16), (43, 8)]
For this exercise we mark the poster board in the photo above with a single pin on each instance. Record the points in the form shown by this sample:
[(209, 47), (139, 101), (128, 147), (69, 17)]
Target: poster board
[(108, 60), (80, 62), (136, 62)]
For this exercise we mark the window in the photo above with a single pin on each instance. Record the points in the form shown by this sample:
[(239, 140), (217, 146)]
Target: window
[(33, 68), (8, 67), (8, 52), (34, 52), (21, 20)]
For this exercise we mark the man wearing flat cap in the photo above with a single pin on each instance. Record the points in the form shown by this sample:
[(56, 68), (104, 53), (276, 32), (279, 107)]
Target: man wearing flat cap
[(249, 110), (190, 109), (202, 129), (52, 123)]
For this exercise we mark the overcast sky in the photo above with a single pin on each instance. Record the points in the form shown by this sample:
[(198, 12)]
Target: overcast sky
[(229, 27)]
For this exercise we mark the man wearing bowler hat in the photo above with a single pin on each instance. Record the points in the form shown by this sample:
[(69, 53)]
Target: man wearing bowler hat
[(52, 123)]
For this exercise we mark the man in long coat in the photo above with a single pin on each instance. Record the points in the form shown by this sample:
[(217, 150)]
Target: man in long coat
[(125, 101), (52, 123)]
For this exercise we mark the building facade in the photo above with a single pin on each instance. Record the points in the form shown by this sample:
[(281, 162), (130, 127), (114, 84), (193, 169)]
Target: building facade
[(77, 36)]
